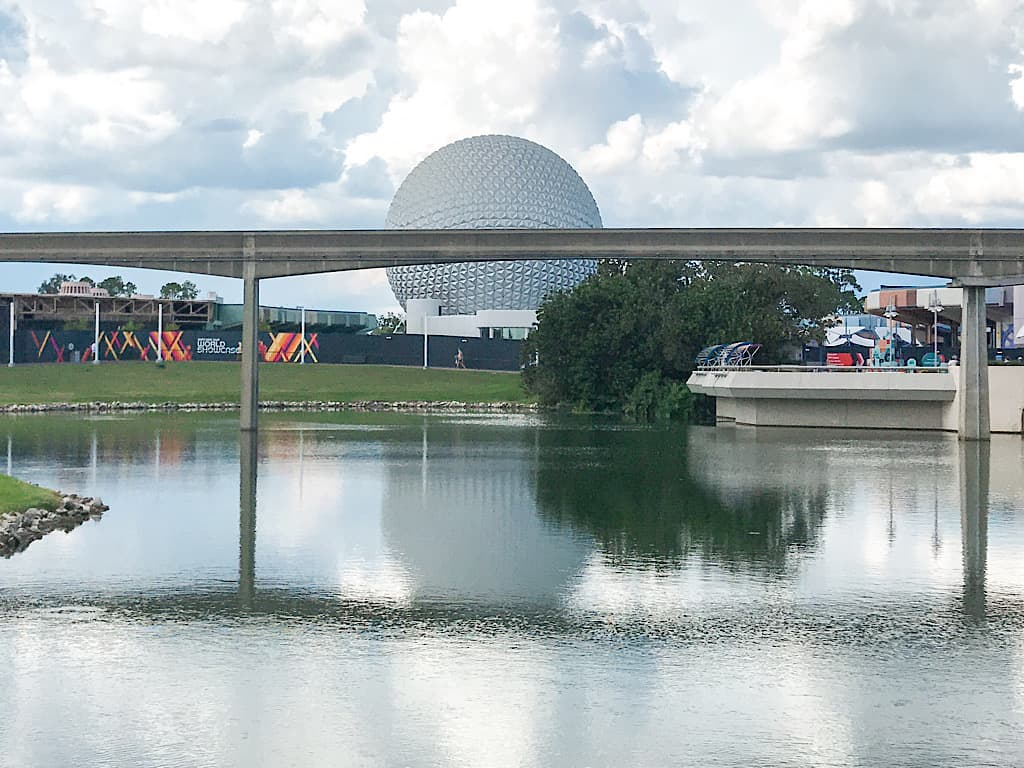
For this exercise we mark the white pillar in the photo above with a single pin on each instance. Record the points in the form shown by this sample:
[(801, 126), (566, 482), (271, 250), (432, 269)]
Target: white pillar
[(302, 343), (160, 334), (425, 341), (10, 351), (96, 336)]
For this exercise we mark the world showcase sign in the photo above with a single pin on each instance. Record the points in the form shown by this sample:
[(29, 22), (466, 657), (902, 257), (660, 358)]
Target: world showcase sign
[(216, 347)]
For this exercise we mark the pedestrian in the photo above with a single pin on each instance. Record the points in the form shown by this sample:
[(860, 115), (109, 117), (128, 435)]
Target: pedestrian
[(460, 361)]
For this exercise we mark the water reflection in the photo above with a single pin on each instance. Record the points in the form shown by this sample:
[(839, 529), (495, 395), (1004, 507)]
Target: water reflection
[(661, 496), (461, 510), (248, 460), (974, 464), (447, 514), (515, 591)]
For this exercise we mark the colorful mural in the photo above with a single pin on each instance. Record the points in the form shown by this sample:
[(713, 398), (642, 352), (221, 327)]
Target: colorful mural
[(173, 347), (37, 346), (46, 343), (287, 348), (60, 347)]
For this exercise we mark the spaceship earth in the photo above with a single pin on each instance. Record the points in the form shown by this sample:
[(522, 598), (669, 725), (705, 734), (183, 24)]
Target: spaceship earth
[(491, 182)]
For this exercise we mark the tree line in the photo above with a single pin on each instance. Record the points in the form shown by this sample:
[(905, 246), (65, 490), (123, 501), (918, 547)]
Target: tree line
[(625, 338), (115, 285)]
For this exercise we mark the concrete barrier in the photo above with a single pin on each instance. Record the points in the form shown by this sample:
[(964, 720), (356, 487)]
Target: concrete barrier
[(861, 398)]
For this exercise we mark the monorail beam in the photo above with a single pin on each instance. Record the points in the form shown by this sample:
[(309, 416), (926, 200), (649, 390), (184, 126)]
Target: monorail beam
[(990, 256)]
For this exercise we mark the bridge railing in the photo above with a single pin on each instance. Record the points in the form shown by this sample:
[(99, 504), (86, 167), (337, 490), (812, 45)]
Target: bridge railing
[(826, 369)]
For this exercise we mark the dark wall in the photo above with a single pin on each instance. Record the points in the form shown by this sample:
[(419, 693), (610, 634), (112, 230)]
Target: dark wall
[(5, 330), (40, 346)]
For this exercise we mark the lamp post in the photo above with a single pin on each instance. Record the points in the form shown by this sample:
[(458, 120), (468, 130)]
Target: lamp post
[(935, 306), (425, 340), (302, 336), (892, 314), (10, 349), (160, 335)]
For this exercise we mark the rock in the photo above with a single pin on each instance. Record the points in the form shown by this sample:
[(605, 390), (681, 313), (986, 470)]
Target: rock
[(19, 530)]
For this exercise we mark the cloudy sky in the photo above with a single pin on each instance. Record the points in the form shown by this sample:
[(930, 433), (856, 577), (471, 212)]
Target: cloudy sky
[(226, 114)]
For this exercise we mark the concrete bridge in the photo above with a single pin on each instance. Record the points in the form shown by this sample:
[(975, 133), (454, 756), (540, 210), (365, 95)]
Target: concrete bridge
[(974, 259)]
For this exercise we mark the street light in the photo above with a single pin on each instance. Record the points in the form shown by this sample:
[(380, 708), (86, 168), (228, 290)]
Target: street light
[(935, 306), (302, 341), (160, 335), (425, 335), (96, 337), (10, 348), (892, 314)]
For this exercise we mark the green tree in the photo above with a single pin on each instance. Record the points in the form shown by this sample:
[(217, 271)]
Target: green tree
[(389, 323), (185, 290), (625, 338), (781, 308), (52, 285), (116, 285)]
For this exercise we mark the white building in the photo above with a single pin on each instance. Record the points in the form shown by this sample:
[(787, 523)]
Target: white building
[(488, 182)]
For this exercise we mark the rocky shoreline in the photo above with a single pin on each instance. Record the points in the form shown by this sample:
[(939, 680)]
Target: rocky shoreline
[(19, 529), (412, 406)]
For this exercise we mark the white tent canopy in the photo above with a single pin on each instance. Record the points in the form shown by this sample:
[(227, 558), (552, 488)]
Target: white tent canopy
[(862, 337)]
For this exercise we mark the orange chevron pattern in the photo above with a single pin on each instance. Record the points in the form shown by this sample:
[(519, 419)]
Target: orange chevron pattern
[(143, 345), (112, 346), (173, 348), (287, 348)]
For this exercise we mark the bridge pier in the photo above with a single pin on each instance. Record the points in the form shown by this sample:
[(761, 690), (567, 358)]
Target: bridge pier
[(974, 397), (250, 400)]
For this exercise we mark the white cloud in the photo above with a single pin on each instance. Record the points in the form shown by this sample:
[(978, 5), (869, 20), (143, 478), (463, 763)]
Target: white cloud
[(316, 96), (666, 146), (787, 106), (624, 143), (252, 138), (318, 24), (97, 108), (876, 204), (48, 202), (986, 186), (290, 206), (1017, 85), (224, 113), (479, 67), (193, 20)]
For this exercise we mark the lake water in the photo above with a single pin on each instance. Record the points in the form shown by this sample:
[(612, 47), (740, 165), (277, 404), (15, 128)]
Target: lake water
[(405, 590)]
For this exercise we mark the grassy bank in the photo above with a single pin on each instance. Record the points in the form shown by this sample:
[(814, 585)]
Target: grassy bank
[(220, 383), (17, 496)]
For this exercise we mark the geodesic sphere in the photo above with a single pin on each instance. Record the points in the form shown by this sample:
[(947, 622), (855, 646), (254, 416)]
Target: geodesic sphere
[(491, 182)]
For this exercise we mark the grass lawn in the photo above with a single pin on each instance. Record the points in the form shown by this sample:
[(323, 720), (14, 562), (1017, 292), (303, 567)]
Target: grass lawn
[(221, 383), (17, 496)]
